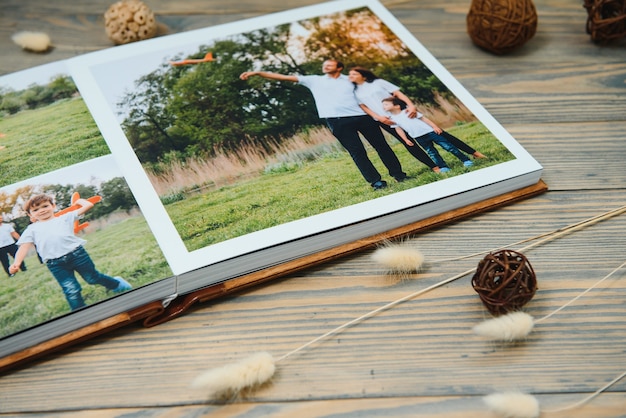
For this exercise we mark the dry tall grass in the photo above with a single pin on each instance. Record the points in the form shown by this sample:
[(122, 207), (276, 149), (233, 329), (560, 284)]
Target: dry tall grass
[(225, 167), (195, 174), (446, 113)]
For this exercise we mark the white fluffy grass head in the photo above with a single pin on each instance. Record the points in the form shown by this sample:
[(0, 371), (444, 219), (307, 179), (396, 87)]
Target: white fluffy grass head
[(230, 380), (399, 258), (513, 405), (510, 327), (32, 41)]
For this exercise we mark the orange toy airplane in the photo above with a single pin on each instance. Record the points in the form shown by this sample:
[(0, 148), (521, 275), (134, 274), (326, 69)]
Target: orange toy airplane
[(75, 196), (207, 58)]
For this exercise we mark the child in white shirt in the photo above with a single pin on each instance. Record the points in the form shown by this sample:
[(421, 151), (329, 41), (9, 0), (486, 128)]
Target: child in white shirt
[(423, 131), (61, 250)]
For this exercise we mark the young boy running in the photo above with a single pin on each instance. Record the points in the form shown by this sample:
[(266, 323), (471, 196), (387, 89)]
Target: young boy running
[(54, 239)]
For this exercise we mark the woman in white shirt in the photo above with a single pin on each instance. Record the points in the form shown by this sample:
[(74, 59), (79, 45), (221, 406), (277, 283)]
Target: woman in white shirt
[(370, 90)]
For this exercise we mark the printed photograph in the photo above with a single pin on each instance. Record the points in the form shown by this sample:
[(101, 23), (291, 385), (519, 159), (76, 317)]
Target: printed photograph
[(71, 233), (69, 239), (44, 124), (248, 131)]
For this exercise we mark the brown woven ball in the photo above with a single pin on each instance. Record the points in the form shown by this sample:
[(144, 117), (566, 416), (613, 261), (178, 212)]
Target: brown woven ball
[(606, 19), (500, 26), (128, 21), (505, 281)]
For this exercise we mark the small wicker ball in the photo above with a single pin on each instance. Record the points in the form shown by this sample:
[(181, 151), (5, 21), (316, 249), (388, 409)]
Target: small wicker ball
[(129, 21), (505, 281), (606, 19), (500, 26)]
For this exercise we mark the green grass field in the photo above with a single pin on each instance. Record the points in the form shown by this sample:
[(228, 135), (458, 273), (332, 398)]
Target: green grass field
[(311, 188), (125, 249), (46, 139)]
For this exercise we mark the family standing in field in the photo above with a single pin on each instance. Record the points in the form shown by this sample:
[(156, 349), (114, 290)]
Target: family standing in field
[(354, 104)]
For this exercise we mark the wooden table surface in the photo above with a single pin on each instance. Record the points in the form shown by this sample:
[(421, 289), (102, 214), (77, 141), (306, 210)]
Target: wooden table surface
[(562, 96)]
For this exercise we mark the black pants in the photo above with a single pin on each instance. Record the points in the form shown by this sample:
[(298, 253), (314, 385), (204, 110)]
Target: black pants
[(4, 257), (458, 143), (346, 130)]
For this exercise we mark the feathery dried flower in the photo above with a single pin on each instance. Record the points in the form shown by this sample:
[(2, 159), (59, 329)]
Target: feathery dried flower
[(32, 41), (513, 405), (230, 380), (509, 327), (399, 258)]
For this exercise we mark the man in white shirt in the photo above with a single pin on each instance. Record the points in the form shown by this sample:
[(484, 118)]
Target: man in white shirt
[(336, 104)]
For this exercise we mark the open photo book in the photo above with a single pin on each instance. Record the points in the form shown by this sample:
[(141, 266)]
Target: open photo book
[(144, 178)]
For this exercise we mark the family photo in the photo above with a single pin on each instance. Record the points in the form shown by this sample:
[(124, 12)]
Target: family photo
[(258, 129)]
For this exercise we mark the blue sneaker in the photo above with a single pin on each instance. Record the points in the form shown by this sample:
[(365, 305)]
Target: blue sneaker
[(468, 163), (444, 170), (122, 286), (380, 184)]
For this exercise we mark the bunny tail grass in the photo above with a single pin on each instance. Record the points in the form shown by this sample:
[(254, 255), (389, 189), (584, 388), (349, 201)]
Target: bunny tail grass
[(231, 379), (399, 258), (513, 405), (509, 327), (32, 41)]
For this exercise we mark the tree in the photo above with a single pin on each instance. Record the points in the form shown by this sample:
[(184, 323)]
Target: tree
[(11, 103), (194, 110), (35, 96), (147, 122), (356, 37), (62, 87), (7, 202), (62, 194), (116, 195)]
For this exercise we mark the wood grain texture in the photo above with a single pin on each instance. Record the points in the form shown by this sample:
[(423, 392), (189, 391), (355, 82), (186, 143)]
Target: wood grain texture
[(562, 96)]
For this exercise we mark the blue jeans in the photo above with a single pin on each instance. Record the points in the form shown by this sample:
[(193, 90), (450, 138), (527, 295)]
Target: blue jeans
[(78, 260), (427, 141), (458, 143)]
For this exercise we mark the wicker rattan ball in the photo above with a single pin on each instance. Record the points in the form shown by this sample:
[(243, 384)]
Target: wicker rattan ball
[(606, 19), (500, 26), (505, 281), (129, 21)]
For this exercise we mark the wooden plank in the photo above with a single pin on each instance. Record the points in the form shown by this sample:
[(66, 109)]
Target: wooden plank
[(577, 155)]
